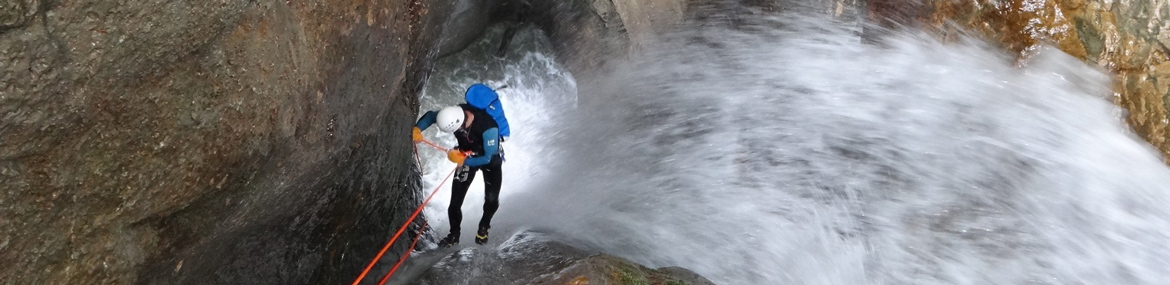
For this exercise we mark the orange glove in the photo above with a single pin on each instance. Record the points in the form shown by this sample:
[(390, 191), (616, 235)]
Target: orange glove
[(416, 134), (455, 156)]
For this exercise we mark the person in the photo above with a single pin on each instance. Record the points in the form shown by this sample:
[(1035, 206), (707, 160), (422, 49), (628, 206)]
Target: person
[(478, 150)]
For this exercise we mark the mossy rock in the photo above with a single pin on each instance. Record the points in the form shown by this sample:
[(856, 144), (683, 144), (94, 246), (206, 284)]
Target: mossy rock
[(609, 269)]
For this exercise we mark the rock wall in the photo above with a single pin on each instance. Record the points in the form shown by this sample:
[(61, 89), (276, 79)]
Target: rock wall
[(466, 24), (1128, 38), (170, 142), (587, 34)]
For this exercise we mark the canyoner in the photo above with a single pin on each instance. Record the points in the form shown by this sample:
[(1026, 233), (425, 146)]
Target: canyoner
[(479, 127)]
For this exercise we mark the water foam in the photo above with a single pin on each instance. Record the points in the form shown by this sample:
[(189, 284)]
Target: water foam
[(787, 152)]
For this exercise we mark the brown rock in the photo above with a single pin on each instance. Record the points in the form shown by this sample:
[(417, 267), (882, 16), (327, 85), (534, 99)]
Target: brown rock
[(608, 269), (180, 142)]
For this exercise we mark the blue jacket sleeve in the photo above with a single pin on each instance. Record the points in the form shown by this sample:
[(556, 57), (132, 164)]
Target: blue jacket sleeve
[(427, 120), (491, 146)]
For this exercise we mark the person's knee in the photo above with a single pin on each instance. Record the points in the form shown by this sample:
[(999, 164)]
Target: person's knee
[(490, 198)]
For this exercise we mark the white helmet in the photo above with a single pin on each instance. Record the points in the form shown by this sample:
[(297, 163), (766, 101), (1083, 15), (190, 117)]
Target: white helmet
[(450, 118)]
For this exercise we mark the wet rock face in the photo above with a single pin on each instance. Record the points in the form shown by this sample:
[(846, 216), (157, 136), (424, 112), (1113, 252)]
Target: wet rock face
[(1128, 38), (533, 258), (172, 142), (467, 22), (588, 33)]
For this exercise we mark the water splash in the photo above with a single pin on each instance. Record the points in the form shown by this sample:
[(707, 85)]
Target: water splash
[(787, 152), (783, 151)]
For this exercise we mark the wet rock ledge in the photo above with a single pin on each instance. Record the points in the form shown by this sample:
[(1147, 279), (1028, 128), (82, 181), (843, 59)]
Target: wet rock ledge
[(535, 258)]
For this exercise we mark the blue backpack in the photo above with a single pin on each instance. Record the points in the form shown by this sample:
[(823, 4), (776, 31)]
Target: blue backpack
[(483, 97)]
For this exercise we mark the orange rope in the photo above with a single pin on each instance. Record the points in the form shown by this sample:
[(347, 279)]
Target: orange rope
[(434, 145), (404, 255), (416, 236), (404, 225)]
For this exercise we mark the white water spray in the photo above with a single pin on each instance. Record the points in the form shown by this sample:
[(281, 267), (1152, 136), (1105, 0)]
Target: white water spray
[(790, 153)]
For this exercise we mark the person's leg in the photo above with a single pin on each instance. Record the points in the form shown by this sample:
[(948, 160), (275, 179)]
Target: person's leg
[(492, 177), (462, 181)]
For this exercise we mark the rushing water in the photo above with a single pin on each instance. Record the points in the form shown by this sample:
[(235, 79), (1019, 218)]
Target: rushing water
[(785, 151)]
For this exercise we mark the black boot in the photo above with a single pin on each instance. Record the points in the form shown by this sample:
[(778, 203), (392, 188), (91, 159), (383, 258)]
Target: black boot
[(452, 239), (481, 236)]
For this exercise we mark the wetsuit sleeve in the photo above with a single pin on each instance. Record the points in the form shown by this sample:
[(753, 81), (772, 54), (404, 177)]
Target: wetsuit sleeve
[(491, 146), (427, 120)]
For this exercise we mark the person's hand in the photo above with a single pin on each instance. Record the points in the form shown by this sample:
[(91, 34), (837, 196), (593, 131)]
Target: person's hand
[(416, 135), (455, 156)]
